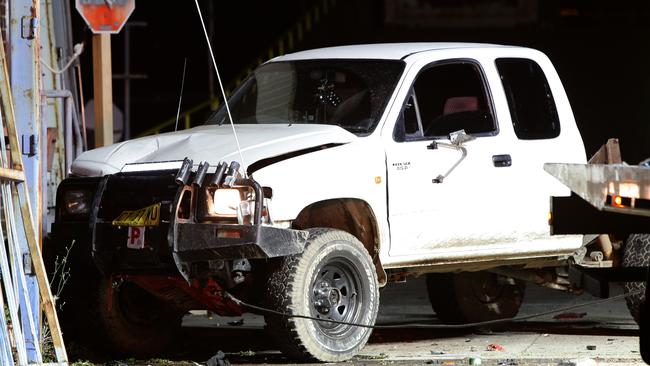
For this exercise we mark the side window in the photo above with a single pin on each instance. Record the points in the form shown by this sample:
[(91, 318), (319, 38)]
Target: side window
[(446, 98), (530, 99)]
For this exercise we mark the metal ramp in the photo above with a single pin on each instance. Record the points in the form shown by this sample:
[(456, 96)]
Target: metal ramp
[(17, 225)]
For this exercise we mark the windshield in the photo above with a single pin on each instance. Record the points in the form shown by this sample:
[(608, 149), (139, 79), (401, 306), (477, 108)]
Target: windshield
[(348, 93)]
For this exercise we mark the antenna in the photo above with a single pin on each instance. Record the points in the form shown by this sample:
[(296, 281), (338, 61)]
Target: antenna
[(180, 97), (223, 92)]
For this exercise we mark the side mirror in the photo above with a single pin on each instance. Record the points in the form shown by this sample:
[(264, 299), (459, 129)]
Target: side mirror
[(460, 137), (457, 138)]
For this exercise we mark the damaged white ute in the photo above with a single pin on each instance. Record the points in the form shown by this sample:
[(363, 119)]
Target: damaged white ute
[(356, 166)]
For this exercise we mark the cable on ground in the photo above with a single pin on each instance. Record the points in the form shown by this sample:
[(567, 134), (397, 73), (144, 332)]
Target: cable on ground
[(430, 326)]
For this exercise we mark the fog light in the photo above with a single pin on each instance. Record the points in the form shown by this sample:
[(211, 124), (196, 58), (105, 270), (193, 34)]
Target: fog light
[(77, 202)]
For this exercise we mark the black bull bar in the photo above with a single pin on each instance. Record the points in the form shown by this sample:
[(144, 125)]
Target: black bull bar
[(195, 242)]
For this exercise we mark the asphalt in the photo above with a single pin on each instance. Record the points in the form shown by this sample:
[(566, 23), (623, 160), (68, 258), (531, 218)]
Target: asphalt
[(597, 334)]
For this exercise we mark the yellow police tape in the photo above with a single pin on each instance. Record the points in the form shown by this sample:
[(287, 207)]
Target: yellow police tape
[(148, 216)]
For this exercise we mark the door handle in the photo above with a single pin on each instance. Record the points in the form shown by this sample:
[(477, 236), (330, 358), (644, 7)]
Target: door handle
[(502, 161)]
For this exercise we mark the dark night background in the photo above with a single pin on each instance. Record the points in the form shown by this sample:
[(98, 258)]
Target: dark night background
[(600, 49)]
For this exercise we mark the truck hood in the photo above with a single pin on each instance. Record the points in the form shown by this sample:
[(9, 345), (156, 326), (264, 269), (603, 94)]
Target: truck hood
[(211, 144)]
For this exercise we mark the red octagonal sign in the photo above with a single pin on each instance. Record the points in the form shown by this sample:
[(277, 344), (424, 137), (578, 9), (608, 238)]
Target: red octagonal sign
[(105, 16)]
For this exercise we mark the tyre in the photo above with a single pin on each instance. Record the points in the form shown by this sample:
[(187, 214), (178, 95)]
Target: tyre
[(332, 279), (129, 322), (636, 253), (472, 297), (644, 330), (136, 323)]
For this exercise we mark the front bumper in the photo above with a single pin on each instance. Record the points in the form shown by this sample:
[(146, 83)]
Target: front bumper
[(184, 241), (204, 242)]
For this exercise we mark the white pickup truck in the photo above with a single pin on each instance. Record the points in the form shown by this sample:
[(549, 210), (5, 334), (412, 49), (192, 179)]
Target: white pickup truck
[(351, 167)]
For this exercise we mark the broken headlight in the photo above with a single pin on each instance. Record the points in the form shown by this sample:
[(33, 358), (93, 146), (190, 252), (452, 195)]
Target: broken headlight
[(77, 202)]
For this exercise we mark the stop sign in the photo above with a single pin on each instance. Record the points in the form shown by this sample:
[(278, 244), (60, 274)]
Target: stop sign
[(105, 16)]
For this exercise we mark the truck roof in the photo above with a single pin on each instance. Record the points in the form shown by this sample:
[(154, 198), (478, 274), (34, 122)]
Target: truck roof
[(387, 51)]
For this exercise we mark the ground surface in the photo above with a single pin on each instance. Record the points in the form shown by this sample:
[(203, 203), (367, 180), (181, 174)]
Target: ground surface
[(605, 334)]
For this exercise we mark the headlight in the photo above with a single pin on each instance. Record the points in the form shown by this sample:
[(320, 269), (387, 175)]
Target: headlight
[(226, 202), (77, 202)]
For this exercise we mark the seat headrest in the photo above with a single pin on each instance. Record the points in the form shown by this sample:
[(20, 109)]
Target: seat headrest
[(460, 104)]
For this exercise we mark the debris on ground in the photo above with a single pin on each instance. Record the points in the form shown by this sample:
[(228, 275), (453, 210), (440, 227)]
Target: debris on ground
[(218, 360), (495, 347), (237, 322), (380, 356), (507, 362), (115, 363), (579, 362), (565, 316)]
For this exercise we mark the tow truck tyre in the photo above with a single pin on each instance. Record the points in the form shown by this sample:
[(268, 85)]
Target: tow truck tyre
[(133, 322), (636, 253), (332, 279), (472, 297), (644, 327)]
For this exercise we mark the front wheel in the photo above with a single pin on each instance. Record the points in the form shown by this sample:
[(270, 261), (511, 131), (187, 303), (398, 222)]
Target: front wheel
[(333, 279)]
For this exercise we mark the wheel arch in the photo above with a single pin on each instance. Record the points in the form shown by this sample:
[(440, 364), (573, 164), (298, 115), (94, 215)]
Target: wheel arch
[(352, 215)]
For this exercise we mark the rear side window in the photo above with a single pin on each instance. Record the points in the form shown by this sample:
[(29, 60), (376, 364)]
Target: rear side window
[(530, 99)]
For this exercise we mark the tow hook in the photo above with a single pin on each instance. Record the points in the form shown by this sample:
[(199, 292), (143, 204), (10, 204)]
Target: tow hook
[(114, 284), (117, 282)]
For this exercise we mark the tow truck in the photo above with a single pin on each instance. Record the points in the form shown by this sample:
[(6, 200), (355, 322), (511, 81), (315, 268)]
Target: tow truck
[(609, 199)]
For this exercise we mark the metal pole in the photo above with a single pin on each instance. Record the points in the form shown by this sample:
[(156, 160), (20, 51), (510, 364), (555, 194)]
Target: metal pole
[(71, 125), (127, 83), (211, 34), (127, 76), (103, 89)]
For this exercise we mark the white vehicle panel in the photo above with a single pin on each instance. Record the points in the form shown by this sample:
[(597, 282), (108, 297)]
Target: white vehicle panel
[(210, 143), (355, 170)]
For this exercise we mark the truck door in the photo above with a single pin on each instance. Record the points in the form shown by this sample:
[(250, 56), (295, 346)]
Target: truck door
[(541, 137), (468, 208)]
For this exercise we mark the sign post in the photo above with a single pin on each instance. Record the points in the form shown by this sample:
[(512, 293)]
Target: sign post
[(104, 17)]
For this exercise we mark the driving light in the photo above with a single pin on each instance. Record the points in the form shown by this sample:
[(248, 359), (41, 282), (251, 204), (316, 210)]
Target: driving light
[(77, 202), (618, 201), (226, 202)]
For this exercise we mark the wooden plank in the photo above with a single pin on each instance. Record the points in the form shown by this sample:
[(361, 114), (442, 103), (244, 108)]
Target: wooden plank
[(7, 101), (21, 192), (41, 274), (12, 174), (103, 89)]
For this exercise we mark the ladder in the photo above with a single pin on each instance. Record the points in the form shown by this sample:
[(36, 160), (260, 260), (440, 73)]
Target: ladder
[(15, 227)]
